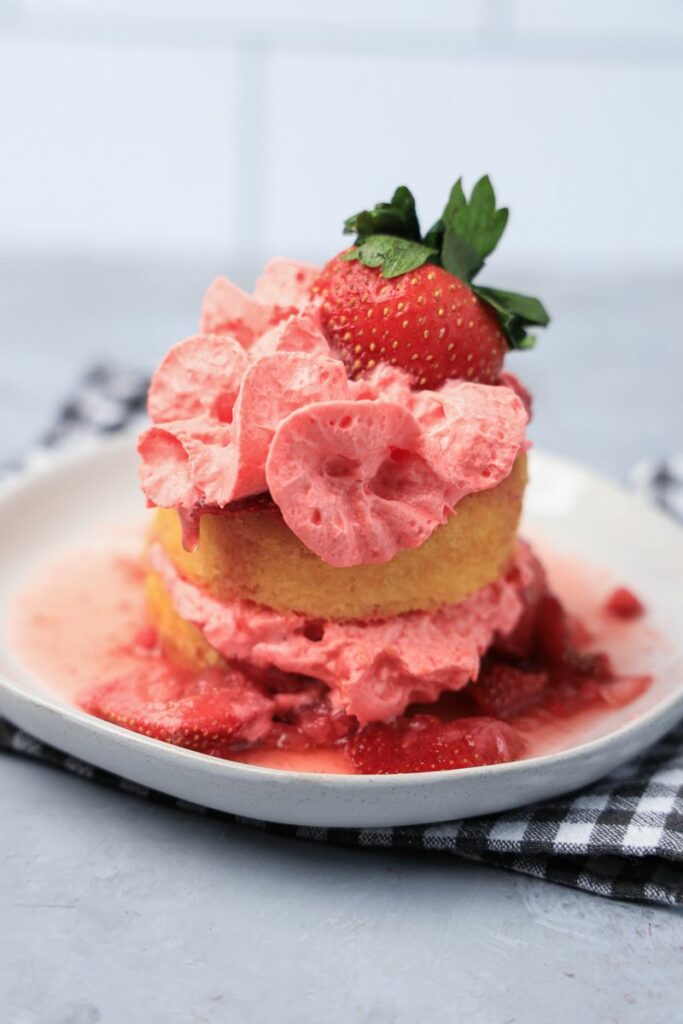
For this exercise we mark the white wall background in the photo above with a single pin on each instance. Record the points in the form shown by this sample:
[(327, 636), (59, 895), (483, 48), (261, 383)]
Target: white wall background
[(146, 145), (224, 130)]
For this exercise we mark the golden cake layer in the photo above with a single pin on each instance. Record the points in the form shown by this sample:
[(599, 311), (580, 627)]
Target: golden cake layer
[(180, 640), (252, 555)]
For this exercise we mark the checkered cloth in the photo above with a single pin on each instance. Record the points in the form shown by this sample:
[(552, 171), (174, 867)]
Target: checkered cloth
[(621, 838)]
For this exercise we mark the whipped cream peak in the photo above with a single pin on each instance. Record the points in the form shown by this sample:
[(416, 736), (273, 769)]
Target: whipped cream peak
[(198, 376), (282, 289), (352, 481), (360, 469)]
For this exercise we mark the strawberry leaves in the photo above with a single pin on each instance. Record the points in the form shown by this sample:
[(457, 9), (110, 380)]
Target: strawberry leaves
[(472, 228), (516, 313), (469, 229), (395, 256), (388, 236), (397, 217)]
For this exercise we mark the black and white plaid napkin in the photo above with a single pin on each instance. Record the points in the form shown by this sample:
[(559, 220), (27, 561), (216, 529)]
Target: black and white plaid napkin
[(622, 837)]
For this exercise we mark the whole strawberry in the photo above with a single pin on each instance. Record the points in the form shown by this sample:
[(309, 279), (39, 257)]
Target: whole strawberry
[(426, 321), (399, 298)]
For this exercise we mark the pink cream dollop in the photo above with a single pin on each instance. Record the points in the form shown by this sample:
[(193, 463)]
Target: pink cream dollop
[(374, 669), (257, 401)]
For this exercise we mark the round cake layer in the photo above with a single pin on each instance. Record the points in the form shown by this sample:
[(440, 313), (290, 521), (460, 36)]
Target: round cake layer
[(253, 556), (182, 641)]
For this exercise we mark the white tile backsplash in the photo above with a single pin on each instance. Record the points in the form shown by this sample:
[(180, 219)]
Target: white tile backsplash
[(588, 158), (613, 17), (116, 147), (264, 14), (212, 126)]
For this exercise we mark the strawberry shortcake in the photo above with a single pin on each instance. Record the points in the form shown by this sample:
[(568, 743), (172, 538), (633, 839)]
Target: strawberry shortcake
[(337, 462)]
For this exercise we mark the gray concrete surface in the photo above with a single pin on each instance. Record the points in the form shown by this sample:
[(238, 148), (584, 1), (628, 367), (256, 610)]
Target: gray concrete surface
[(115, 911)]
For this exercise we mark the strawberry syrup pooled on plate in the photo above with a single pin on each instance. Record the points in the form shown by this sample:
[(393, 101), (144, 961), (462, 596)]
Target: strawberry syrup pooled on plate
[(81, 627)]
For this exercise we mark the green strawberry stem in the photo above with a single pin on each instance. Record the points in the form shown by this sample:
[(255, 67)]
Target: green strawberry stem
[(466, 233)]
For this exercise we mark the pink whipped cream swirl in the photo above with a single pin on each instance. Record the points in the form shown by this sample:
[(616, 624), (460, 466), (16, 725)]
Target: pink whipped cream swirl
[(257, 401), (374, 669)]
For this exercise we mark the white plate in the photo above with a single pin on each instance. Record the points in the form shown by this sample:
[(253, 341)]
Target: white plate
[(574, 510)]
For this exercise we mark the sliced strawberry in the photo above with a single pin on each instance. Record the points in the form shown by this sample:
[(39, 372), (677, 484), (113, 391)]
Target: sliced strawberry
[(423, 743), (585, 664), (623, 604), (553, 631), (211, 712), (521, 641), (304, 717), (322, 725), (308, 727), (503, 690), (190, 518), (255, 503)]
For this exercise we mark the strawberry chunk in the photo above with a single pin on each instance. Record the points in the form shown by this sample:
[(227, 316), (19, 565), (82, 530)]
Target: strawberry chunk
[(503, 690), (623, 604), (311, 725), (212, 712), (553, 633), (424, 743)]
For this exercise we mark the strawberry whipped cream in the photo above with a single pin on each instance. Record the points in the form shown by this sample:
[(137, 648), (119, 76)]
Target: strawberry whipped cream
[(360, 470), (375, 669)]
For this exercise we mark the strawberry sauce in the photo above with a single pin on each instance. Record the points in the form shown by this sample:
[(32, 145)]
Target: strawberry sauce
[(81, 630)]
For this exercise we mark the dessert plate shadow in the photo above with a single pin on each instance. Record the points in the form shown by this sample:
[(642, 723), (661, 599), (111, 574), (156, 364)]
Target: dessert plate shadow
[(48, 511)]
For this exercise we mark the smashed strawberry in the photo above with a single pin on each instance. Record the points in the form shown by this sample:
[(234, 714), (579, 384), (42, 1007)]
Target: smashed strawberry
[(211, 712), (503, 690), (520, 642), (315, 727), (623, 604), (552, 640), (305, 719), (590, 665), (424, 743), (544, 662)]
